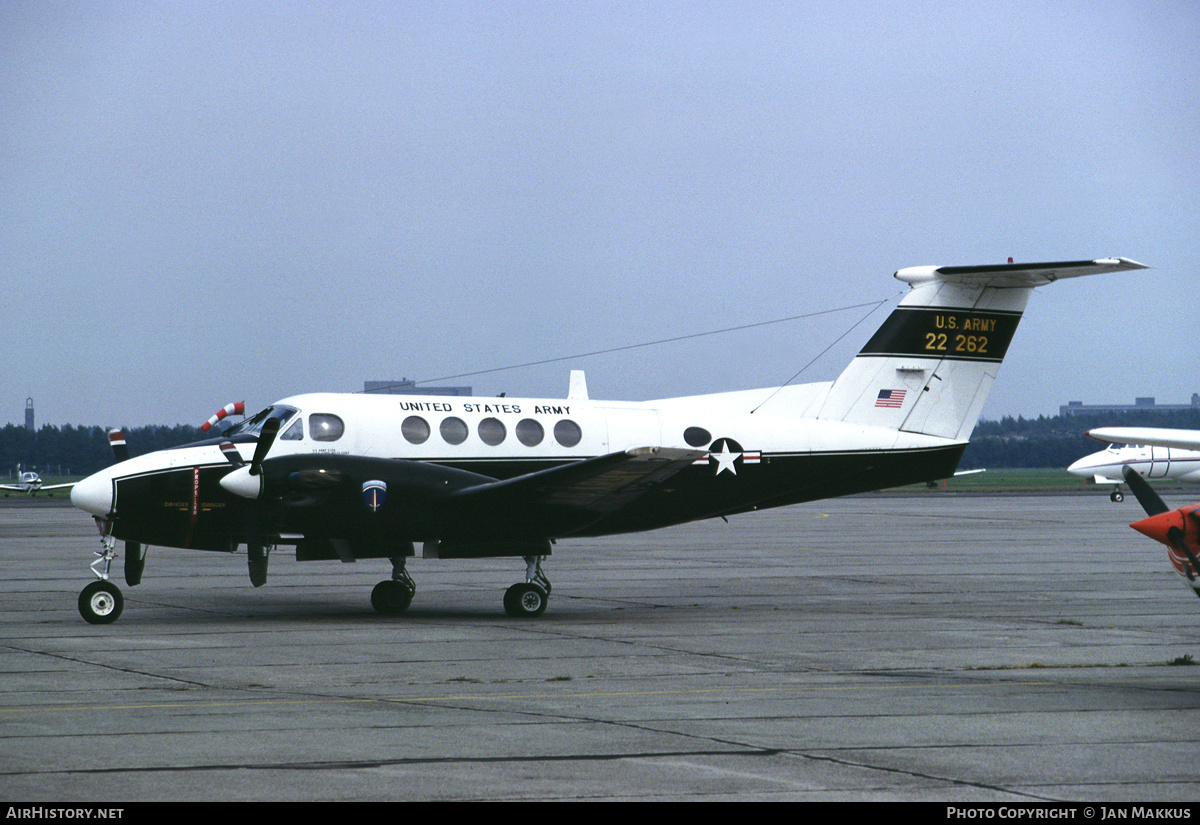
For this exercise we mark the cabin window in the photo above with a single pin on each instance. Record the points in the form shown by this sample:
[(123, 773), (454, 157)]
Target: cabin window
[(415, 429), (325, 427), (529, 432), (567, 433), (492, 431), (453, 430), (697, 437)]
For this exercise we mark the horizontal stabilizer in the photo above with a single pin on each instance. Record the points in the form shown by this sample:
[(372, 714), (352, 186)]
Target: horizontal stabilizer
[(1014, 275)]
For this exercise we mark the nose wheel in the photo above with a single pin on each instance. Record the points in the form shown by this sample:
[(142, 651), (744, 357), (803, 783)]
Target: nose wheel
[(101, 603)]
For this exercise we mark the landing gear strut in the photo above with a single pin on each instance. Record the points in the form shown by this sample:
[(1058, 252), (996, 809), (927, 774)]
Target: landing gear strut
[(393, 596), (527, 599)]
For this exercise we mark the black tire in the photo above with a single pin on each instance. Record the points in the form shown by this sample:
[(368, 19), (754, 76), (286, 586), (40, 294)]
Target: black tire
[(101, 603), (391, 597), (525, 601), (1117, 497)]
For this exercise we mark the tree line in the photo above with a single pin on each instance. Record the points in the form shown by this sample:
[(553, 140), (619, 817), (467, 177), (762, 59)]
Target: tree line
[(1010, 442), (1059, 440), (79, 451)]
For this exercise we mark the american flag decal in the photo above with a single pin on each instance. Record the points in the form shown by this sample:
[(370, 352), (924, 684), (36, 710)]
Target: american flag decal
[(890, 398)]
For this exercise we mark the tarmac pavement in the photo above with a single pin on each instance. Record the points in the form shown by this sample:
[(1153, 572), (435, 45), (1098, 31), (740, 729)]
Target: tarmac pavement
[(900, 646)]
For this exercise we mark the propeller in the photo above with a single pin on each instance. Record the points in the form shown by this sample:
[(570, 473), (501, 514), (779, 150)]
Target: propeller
[(236, 408), (135, 554), (1150, 501), (1171, 527), (247, 481)]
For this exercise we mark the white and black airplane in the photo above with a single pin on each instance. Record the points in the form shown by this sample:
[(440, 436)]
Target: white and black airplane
[(350, 476), (1151, 452), (30, 482)]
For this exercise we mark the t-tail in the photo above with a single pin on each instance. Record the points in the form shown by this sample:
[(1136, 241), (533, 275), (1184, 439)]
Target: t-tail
[(929, 368)]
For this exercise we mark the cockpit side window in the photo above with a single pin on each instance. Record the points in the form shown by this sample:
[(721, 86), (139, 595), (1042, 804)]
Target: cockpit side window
[(294, 431), (254, 425), (325, 427)]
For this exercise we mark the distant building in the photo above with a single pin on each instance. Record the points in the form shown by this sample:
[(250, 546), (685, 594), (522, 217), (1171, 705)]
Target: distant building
[(29, 425), (408, 387), (1144, 404)]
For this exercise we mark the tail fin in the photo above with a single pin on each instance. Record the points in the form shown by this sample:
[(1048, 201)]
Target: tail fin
[(929, 368)]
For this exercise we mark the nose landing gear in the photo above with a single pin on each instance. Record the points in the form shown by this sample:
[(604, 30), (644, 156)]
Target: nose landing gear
[(101, 601)]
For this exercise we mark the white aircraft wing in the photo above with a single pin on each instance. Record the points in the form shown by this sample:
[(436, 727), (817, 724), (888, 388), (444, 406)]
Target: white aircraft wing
[(29, 487), (1148, 436)]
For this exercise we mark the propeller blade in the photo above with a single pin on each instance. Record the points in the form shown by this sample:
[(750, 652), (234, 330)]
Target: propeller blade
[(116, 440), (1150, 501), (265, 439), (230, 451), (135, 563), (257, 556), (237, 408)]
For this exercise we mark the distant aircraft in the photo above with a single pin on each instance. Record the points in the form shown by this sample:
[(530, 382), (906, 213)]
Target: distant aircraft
[(1151, 451), (349, 477), (30, 482), (1178, 529)]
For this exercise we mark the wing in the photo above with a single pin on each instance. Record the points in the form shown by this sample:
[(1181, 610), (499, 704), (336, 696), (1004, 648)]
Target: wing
[(324, 495), (1148, 436), (26, 488), (566, 499)]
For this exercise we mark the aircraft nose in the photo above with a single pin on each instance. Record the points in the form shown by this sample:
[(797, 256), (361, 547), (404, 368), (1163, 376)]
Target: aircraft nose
[(1081, 467), (94, 494)]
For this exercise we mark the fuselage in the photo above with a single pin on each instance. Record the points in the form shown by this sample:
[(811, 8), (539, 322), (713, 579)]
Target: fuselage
[(1106, 465), (771, 457)]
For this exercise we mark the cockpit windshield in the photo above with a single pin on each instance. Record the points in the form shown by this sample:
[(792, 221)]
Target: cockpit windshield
[(254, 425)]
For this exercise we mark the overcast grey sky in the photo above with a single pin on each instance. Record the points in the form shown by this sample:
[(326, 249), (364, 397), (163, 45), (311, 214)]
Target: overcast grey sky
[(208, 202)]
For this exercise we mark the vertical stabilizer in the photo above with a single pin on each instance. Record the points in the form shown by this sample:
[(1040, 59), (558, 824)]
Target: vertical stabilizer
[(929, 368)]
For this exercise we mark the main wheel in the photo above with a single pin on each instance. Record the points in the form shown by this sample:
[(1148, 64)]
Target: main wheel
[(525, 601), (391, 597), (101, 603), (1116, 496)]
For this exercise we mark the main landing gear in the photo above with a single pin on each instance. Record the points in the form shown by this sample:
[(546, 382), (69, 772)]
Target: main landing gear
[(394, 595), (1116, 496), (524, 600), (527, 599)]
